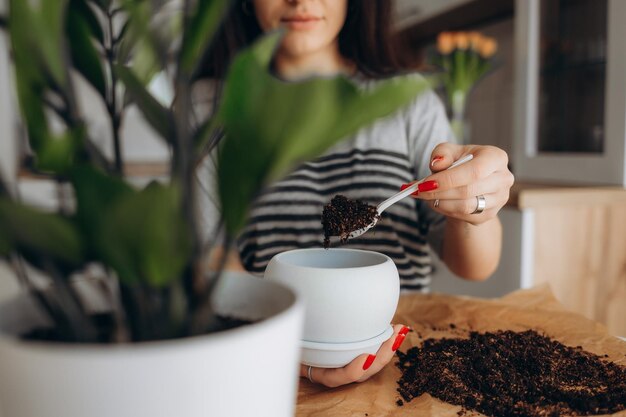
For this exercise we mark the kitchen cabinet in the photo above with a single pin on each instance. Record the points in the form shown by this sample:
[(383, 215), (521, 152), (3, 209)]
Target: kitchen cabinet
[(570, 91), (577, 245)]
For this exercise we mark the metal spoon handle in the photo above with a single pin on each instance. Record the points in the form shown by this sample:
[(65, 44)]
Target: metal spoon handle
[(413, 187)]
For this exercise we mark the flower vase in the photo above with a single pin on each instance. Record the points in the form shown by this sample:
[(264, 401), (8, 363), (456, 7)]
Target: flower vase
[(458, 122)]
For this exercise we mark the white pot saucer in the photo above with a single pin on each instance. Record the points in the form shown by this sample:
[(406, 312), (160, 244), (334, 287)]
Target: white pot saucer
[(336, 355)]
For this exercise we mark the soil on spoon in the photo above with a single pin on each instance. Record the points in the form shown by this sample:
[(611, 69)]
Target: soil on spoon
[(342, 216)]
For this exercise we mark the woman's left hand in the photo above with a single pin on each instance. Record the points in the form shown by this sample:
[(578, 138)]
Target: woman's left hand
[(362, 367), (455, 193)]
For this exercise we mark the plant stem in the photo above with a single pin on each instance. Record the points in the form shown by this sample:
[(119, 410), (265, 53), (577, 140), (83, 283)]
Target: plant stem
[(111, 104), (204, 314), (96, 156), (82, 328), (184, 163), (133, 307), (457, 104)]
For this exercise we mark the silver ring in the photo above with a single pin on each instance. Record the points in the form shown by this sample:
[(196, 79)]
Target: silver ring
[(481, 204), (436, 203), (308, 374)]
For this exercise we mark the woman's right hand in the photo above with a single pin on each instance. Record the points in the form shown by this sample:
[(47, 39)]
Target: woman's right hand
[(362, 367)]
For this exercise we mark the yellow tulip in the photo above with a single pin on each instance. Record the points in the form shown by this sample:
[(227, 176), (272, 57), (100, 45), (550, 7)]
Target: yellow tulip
[(461, 40), (488, 48), (476, 40), (445, 43)]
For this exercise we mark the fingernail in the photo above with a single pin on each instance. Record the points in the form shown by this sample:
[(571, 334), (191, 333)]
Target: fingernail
[(427, 186), (398, 341), (405, 186), (368, 362), (435, 160), (404, 330)]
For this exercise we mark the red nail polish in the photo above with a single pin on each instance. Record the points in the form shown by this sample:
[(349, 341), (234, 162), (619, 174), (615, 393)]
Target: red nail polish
[(435, 160), (405, 186), (428, 186), (404, 330), (368, 362), (398, 342)]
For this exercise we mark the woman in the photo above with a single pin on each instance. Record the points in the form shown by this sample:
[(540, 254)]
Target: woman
[(454, 213)]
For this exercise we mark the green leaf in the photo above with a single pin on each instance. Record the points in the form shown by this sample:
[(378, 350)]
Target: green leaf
[(35, 234), (121, 35), (84, 10), (58, 153), (204, 23), (159, 117), (30, 95), (95, 192), (32, 72), (139, 57), (146, 37), (24, 49), (272, 125), (140, 35), (54, 153), (145, 64), (84, 55), (39, 26), (145, 238), (50, 36)]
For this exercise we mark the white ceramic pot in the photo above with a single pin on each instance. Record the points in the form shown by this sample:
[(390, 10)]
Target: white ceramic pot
[(248, 371), (337, 355), (350, 295)]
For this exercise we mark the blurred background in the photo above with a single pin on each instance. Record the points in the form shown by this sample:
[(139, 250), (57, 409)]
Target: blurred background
[(554, 97)]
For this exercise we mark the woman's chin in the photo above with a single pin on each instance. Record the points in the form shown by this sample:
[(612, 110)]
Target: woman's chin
[(300, 44)]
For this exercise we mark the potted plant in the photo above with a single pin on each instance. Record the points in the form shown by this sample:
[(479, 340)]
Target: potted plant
[(154, 332)]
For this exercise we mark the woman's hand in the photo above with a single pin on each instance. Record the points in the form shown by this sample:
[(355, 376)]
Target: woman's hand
[(455, 193), (361, 368)]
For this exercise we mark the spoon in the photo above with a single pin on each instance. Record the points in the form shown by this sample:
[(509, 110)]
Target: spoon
[(399, 196)]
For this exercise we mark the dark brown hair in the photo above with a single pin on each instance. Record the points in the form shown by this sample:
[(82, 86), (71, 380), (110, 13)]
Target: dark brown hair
[(365, 38)]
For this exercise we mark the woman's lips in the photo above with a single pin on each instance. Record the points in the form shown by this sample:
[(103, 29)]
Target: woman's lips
[(301, 22)]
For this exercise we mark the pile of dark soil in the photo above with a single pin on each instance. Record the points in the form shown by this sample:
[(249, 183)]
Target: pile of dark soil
[(509, 373)]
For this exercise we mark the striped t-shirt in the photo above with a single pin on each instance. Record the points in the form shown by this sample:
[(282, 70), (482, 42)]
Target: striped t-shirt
[(370, 166)]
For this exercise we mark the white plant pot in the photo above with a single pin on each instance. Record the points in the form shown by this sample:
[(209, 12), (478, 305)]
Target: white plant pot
[(350, 296), (247, 371)]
